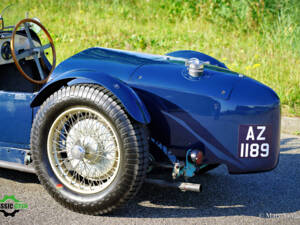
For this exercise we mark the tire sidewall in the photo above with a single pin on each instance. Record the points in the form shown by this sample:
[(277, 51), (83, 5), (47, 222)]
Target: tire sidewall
[(116, 189)]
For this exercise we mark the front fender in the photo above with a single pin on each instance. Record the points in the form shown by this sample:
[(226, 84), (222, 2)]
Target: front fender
[(130, 100)]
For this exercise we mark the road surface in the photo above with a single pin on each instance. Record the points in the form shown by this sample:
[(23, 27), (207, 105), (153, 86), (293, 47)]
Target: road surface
[(264, 198)]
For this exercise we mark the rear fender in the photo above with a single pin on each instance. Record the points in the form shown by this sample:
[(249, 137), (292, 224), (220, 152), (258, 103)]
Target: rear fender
[(130, 100), (187, 54)]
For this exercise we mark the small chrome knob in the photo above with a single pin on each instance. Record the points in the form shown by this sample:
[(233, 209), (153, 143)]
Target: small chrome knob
[(195, 67), (77, 152)]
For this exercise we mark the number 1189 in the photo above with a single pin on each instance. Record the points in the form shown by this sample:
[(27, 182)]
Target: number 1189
[(254, 150)]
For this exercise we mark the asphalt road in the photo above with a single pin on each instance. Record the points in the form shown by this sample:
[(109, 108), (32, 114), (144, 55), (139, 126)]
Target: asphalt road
[(265, 198)]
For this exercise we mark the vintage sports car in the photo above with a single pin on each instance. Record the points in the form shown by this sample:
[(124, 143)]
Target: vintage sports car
[(94, 127)]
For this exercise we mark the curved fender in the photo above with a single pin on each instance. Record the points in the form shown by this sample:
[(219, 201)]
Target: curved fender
[(131, 101), (187, 54)]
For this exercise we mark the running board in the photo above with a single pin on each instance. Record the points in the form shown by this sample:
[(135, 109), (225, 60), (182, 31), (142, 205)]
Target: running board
[(16, 166)]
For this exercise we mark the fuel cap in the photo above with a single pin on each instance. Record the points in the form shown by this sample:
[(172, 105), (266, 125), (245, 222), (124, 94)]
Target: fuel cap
[(195, 67)]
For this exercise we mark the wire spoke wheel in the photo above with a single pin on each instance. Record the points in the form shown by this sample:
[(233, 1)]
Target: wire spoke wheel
[(83, 150), (87, 152)]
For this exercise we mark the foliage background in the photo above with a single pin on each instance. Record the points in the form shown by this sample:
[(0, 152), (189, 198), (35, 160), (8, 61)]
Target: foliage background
[(259, 38)]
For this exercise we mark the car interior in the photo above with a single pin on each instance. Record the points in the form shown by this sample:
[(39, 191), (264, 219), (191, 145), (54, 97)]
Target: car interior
[(24, 66)]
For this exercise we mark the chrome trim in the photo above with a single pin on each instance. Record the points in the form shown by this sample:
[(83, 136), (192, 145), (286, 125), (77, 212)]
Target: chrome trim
[(16, 166)]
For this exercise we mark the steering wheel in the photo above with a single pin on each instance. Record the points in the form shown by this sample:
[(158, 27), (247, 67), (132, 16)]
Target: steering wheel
[(33, 51)]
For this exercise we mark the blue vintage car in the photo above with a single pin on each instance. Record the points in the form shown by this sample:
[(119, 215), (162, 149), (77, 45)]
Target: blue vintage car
[(93, 127)]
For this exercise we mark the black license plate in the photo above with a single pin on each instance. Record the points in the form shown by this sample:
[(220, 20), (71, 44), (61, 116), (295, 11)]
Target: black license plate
[(255, 141)]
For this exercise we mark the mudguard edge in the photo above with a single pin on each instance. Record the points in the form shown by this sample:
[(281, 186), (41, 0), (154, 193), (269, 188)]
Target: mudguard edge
[(130, 100)]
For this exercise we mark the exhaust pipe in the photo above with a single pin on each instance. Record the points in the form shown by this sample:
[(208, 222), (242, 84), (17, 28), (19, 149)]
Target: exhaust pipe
[(183, 186)]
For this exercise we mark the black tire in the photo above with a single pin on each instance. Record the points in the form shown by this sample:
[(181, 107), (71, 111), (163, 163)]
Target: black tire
[(133, 147)]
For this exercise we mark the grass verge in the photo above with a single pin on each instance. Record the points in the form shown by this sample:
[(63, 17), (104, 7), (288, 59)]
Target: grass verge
[(259, 38)]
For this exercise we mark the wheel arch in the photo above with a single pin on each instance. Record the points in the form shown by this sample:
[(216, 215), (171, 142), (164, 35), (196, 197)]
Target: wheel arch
[(128, 97), (199, 55)]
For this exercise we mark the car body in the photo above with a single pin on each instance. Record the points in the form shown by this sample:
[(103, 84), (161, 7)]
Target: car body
[(192, 118), (181, 112)]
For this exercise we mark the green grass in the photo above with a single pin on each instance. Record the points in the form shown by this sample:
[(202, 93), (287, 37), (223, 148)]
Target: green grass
[(259, 38)]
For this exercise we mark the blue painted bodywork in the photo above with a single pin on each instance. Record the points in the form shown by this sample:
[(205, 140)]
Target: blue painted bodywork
[(14, 111), (131, 101), (13, 153), (180, 111), (15, 125)]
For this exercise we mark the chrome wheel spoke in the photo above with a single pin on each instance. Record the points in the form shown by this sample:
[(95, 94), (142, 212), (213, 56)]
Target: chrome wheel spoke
[(83, 150)]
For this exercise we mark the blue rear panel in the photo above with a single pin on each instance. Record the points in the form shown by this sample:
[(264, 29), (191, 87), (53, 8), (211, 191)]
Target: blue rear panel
[(206, 113)]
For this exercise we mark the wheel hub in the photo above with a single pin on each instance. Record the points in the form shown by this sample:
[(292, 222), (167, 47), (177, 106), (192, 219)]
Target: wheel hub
[(92, 152), (77, 152)]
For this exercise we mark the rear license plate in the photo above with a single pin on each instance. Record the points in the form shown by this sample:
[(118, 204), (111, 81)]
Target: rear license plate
[(255, 141)]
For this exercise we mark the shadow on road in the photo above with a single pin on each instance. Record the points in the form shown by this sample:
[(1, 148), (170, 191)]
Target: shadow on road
[(275, 192), (19, 176), (259, 195)]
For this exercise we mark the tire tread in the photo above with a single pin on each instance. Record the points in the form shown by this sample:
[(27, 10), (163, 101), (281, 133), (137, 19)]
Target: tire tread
[(135, 147)]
